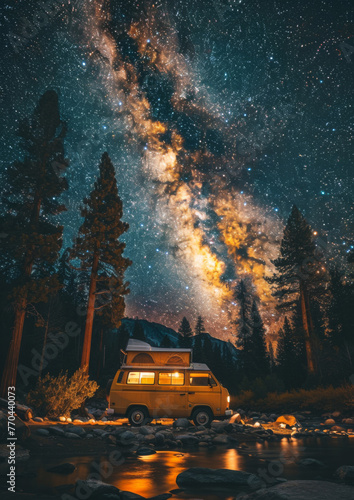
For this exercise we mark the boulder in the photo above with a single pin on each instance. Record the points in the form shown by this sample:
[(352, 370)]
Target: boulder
[(42, 432), (37, 419), (336, 414), (56, 431), (310, 462), (145, 451), (128, 495), (345, 473), (77, 430), (304, 490), (65, 468), (181, 422), (62, 419), (159, 438), (198, 477), (145, 430), (329, 421), (220, 440), (188, 439), (71, 435), (126, 437), (96, 490), (289, 420)]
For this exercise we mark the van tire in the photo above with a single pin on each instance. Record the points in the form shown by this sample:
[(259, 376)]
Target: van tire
[(138, 415), (202, 416)]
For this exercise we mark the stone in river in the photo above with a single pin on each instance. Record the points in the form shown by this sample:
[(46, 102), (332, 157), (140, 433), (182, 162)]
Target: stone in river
[(304, 490), (42, 432), (345, 473), (198, 477), (311, 462), (65, 468), (97, 490)]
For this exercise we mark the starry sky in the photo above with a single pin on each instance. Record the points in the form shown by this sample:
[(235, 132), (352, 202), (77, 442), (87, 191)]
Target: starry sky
[(218, 116)]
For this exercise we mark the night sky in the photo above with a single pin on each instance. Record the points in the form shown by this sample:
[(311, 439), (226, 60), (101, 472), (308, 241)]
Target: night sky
[(218, 116)]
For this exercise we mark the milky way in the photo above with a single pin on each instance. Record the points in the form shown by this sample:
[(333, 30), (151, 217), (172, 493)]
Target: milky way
[(218, 117)]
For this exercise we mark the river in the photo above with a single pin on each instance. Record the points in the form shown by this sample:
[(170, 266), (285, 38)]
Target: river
[(155, 474)]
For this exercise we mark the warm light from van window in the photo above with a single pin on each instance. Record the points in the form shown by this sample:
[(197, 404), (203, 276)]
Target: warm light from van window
[(176, 374)]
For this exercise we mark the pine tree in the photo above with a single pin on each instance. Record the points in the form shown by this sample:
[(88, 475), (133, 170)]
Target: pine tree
[(340, 316), (31, 201), (271, 356), (299, 276), (260, 358), (244, 298), (100, 251), (186, 332), (290, 355), (138, 331), (199, 327), (165, 342)]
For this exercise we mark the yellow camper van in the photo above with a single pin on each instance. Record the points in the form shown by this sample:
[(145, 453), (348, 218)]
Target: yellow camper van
[(164, 383)]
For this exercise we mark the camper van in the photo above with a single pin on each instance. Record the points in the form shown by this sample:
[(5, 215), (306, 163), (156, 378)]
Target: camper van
[(164, 383)]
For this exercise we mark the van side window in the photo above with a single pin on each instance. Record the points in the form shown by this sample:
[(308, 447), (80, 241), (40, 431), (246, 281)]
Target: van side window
[(144, 378), (200, 379), (171, 378), (120, 377)]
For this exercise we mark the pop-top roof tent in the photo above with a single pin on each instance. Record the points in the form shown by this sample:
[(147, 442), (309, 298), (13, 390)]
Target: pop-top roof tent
[(139, 353)]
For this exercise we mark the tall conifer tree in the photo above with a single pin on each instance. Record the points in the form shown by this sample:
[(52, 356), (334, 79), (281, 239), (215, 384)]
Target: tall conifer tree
[(100, 251), (32, 237)]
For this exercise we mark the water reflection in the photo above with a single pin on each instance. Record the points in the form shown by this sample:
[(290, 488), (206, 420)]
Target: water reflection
[(155, 474)]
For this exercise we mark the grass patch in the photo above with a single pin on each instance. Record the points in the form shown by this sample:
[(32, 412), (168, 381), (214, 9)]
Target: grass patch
[(321, 399)]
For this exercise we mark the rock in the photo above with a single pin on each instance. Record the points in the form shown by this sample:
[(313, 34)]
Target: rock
[(69, 419), (145, 451), (345, 473), (329, 421), (289, 420), (128, 495), (311, 462), (56, 431), (65, 468), (99, 432), (42, 432), (181, 422), (126, 437), (163, 496), (337, 428), (37, 419), (159, 438), (77, 430), (150, 438), (220, 440), (304, 490), (188, 440), (145, 430), (198, 477), (336, 414), (96, 490), (348, 421), (203, 444), (62, 419), (71, 435), (22, 430), (111, 439)]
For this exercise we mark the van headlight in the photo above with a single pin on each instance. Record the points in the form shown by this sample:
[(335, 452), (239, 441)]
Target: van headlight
[(228, 399)]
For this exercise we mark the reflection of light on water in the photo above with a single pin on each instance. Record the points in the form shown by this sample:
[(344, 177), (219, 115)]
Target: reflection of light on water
[(231, 459)]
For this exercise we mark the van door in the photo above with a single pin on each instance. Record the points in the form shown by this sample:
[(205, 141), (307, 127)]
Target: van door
[(204, 390), (171, 394)]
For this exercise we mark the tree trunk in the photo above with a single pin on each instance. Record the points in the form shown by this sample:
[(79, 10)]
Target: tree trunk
[(100, 363), (86, 348), (11, 363), (306, 326)]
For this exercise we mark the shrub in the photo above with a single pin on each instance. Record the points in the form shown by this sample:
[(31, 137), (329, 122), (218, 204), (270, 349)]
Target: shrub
[(56, 396)]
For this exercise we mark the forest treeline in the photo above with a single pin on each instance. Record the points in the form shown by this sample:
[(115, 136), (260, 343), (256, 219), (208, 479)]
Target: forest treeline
[(59, 306)]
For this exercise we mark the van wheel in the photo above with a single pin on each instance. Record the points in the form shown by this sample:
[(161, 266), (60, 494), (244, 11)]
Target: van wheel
[(138, 416), (203, 417)]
